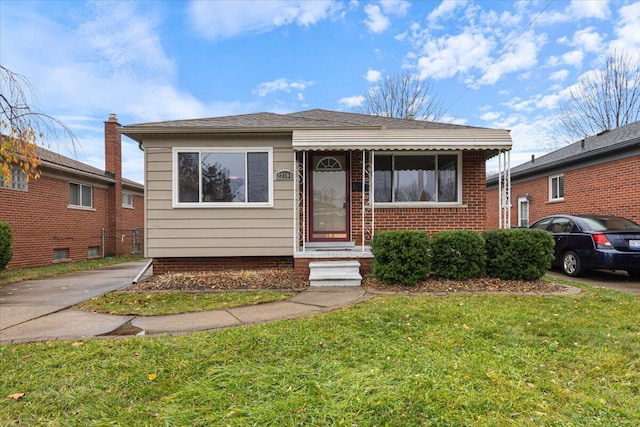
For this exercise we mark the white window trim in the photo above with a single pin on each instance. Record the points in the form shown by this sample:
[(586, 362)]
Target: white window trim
[(124, 205), (240, 205), (81, 207), (417, 204), (520, 201), (551, 178)]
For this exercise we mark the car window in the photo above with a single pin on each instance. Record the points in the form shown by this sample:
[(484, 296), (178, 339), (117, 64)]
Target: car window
[(542, 224), (611, 224), (561, 225)]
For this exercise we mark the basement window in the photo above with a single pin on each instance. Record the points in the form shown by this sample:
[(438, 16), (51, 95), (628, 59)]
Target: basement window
[(93, 252), (61, 255)]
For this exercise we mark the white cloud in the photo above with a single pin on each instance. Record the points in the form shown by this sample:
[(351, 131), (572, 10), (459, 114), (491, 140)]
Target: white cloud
[(577, 10), (573, 58), (559, 75), (598, 9), (445, 10), (395, 7), (281, 85), (588, 40), (627, 29), (223, 19), (521, 56), (490, 116), (378, 15), (373, 76), (351, 101), (451, 54), (376, 21)]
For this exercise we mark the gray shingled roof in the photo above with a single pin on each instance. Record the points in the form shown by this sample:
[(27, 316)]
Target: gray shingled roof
[(302, 120), (57, 161), (621, 138)]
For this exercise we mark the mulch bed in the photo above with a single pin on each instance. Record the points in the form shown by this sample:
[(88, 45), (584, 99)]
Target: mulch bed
[(283, 279)]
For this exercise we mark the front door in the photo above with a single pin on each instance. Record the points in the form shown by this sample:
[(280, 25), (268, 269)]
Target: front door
[(330, 197)]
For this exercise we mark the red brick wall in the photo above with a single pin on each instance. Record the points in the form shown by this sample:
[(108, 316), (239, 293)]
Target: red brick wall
[(173, 265), (611, 188), (41, 221)]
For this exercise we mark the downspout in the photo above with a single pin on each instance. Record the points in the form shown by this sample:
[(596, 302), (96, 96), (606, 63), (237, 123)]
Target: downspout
[(144, 270)]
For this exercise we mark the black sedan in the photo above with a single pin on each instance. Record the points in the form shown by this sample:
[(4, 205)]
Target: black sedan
[(587, 242)]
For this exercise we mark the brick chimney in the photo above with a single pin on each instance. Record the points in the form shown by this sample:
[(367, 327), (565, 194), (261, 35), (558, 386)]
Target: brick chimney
[(113, 167)]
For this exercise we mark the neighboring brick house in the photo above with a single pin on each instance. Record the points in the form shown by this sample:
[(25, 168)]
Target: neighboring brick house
[(74, 211), (597, 175), (261, 190)]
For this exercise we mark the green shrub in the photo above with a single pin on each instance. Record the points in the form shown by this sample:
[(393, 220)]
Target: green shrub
[(458, 254), (518, 254), (5, 245), (401, 256)]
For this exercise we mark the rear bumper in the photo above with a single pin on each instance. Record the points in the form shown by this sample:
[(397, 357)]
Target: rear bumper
[(611, 259)]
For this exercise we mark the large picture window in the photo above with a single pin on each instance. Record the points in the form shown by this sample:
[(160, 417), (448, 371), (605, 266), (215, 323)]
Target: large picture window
[(416, 178), (224, 177)]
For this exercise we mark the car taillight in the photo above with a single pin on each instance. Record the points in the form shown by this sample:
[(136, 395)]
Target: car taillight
[(601, 240)]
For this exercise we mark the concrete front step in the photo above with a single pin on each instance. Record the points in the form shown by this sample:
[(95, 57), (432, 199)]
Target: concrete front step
[(334, 273)]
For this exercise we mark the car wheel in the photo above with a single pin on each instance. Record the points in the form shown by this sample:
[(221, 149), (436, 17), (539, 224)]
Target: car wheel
[(571, 264), (634, 274)]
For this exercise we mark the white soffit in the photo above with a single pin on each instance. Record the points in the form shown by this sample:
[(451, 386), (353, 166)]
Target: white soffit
[(402, 139)]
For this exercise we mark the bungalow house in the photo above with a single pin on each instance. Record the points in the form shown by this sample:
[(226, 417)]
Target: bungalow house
[(74, 211), (262, 190), (597, 175)]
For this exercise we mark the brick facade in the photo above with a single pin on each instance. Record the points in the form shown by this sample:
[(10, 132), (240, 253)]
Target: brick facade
[(42, 220), (611, 188), (174, 265)]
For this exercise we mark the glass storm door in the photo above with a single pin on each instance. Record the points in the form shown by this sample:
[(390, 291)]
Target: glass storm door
[(329, 197)]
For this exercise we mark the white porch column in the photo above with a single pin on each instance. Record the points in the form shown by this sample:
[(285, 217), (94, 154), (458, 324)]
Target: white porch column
[(504, 189)]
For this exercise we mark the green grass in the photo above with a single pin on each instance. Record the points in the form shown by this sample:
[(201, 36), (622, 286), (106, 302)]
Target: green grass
[(487, 360), (158, 303), (35, 273)]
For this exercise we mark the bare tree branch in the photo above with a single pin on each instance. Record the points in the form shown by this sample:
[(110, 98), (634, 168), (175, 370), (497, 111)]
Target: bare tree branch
[(22, 126), (403, 96), (605, 99)]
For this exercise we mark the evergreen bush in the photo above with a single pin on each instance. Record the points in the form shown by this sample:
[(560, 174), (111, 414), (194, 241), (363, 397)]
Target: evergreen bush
[(458, 254), (519, 253), (6, 239), (401, 256)]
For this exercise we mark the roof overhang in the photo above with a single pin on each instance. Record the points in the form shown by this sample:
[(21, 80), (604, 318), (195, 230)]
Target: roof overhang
[(492, 140)]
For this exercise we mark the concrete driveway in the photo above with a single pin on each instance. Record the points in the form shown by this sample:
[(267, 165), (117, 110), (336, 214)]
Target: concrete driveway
[(30, 300), (618, 280)]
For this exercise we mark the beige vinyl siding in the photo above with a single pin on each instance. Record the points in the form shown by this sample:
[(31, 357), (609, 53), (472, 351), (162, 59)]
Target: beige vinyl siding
[(216, 231)]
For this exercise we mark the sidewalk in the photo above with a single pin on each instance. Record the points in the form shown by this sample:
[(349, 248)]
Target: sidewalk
[(42, 310)]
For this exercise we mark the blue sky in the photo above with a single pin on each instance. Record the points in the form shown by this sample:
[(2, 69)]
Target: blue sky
[(493, 63)]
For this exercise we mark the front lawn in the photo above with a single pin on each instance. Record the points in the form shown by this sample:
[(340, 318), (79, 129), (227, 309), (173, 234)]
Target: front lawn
[(397, 361), (160, 303)]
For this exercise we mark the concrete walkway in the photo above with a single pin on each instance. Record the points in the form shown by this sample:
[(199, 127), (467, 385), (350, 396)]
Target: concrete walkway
[(42, 310)]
